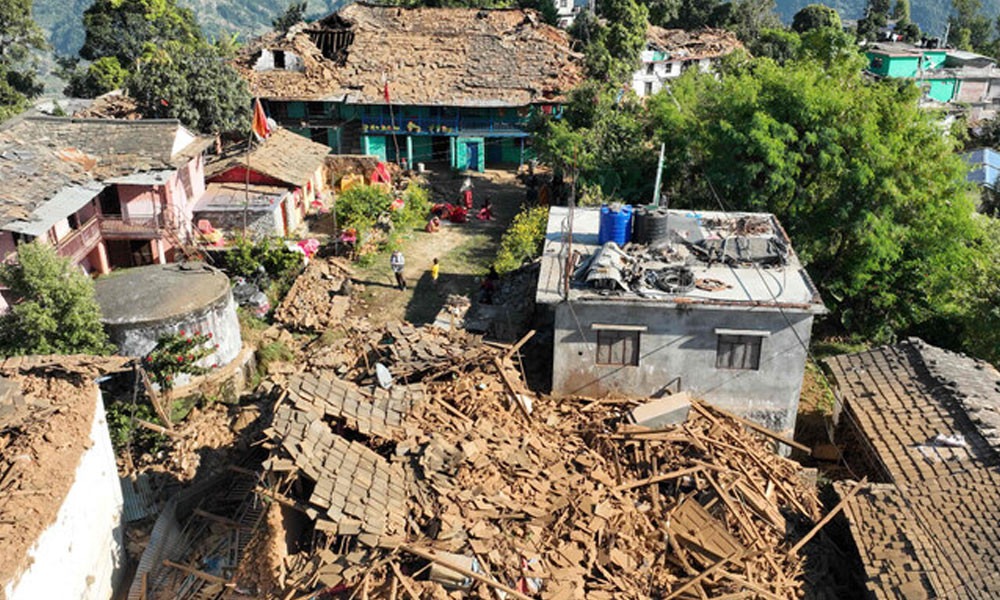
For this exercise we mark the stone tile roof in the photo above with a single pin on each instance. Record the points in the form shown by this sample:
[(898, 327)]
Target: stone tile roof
[(284, 155), (682, 44), (380, 413), (357, 492), (39, 156), (933, 528), (431, 56)]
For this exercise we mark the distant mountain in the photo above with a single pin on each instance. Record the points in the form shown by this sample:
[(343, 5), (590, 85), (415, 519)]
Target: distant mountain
[(63, 19), (931, 15)]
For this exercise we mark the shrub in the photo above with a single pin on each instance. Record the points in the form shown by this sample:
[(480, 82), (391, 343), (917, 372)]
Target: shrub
[(416, 207), (56, 312), (177, 353), (247, 256), (360, 206), (523, 239)]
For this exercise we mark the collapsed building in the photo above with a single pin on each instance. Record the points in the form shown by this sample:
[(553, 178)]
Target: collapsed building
[(712, 303), (671, 52), (922, 424), (405, 461), (60, 498), (420, 84)]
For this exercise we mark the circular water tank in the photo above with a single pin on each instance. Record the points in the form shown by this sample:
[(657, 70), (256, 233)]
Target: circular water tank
[(615, 225), (140, 305), (657, 226), (640, 222)]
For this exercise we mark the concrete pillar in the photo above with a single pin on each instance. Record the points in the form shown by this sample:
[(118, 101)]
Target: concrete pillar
[(103, 266), (409, 151), (158, 254), (521, 159)]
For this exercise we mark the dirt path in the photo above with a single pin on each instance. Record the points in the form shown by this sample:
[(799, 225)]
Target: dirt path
[(464, 250)]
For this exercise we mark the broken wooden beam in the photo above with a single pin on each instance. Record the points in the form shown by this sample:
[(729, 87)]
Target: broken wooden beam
[(510, 388), (463, 571), (698, 578), (829, 516), (521, 342), (158, 429), (197, 573), (658, 478), (754, 426)]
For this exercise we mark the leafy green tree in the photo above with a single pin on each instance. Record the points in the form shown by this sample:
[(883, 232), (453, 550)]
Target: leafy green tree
[(294, 13), (100, 77), (55, 311), (749, 18), (970, 29), (780, 45), (613, 54), (127, 29), (195, 85), (815, 16), (20, 36), (697, 14), (523, 239), (662, 12), (901, 11), (876, 17)]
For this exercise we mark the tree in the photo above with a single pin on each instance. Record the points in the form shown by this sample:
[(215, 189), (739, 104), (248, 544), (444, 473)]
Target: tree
[(748, 18), (901, 12), (613, 53), (969, 29), (100, 77), (127, 29), (780, 45), (815, 16), (876, 17), (196, 85), (19, 37), (55, 311), (662, 12), (294, 13)]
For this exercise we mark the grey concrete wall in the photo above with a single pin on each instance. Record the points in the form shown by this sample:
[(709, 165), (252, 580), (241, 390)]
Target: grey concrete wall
[(682, 343), (260, 224)]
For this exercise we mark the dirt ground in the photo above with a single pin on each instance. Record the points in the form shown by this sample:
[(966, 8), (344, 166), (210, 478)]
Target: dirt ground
[(464, 250)]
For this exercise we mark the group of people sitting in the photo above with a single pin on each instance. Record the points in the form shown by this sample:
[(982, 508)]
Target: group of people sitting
[(459, 212)]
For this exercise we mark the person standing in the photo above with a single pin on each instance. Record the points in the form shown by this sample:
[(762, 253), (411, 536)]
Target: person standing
[(397, 262), (435, 271)]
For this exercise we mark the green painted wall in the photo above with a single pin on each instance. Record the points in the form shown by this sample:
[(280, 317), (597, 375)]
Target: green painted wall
[(460, 156), (942, 90), (373, 145), (904, 66), (511, 150), (423, 148), (934, 59), (296, 110)]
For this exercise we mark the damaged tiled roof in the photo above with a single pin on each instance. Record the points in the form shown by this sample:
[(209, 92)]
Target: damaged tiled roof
[(681, 44), (357, 492), (39, 156), (284, 155), (435, 56), (933, 529), (380, 413)]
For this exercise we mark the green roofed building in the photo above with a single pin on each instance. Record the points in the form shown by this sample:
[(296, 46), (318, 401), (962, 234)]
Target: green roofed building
[(946, 76)]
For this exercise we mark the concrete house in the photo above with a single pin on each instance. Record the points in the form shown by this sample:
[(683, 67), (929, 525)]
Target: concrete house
[(420, 84), (947, 76), (567, 10), (105, 193), (984, 166), (716, 304), (671, 52), (287, 180)]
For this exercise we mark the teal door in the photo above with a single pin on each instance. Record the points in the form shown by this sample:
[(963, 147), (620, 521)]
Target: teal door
[(472, 154)]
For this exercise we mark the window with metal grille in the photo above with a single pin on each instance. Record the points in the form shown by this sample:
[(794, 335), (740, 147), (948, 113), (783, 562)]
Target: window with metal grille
[(619, 348), (738, 352)]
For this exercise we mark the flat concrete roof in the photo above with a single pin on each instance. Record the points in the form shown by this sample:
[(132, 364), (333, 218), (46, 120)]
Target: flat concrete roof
[(784, 287), (158, 292), (233, 197)]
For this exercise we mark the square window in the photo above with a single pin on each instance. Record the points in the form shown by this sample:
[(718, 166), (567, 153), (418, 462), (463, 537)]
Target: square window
[(618, 348), (649, 88), (650, 68), (741, 352)]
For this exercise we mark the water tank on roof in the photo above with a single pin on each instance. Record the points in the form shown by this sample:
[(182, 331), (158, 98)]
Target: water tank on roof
[(616, 224), (650, 225)]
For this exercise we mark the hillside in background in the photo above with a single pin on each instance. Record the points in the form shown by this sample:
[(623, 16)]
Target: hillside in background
[(931, 15), (63, 19)]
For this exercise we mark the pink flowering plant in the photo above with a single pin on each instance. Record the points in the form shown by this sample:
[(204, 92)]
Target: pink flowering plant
[(177, 353)]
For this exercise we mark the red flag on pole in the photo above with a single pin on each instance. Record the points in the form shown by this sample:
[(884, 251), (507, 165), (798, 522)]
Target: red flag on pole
[(385, 91), (260, 127)]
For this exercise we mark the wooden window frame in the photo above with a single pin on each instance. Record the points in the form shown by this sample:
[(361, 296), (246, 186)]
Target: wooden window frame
[(607, 339), (726, 358)]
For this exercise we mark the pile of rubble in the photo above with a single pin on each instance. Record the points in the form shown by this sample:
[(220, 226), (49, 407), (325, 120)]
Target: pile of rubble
[(319, 298), (425, 466)]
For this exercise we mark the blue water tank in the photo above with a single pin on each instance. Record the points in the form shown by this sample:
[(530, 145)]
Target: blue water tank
[(616, 224)]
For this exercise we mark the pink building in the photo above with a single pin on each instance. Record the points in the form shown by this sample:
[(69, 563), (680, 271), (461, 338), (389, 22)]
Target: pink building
[(106, 193)]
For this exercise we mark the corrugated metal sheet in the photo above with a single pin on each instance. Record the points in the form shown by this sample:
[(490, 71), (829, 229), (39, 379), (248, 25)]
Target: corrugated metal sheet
[(66, 202)]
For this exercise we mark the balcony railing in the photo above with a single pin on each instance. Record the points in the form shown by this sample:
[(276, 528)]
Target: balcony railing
[(147, 226), (78, 244), (440, 125)]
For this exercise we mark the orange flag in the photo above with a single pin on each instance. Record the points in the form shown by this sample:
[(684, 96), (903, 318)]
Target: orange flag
[(260, 127)]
